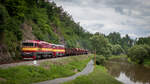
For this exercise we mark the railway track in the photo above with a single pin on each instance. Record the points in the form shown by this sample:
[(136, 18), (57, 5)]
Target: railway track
[(29, 62)]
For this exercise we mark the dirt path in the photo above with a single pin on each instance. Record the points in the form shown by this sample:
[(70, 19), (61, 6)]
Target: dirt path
[(89, 68), (29, 62)]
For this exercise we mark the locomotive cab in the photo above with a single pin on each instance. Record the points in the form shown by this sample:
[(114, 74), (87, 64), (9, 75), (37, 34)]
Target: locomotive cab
[(34, 49), (28, 50)]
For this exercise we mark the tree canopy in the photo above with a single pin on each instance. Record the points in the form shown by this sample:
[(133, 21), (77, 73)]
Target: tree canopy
[(101, 44)]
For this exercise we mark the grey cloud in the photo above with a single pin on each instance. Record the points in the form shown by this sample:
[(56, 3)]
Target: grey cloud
[(96, 26), (131, 4), (120, 10), (124, 16)]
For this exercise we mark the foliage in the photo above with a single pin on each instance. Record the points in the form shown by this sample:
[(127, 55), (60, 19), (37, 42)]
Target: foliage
[(16, 8), (143, 40), (98, 76), (147, 47), (100, 60), (41, 27), (3, 16), (11, 34), (117, 49), (101, 44), (125, 42), (141, 51), (114, 38), (138, 53)]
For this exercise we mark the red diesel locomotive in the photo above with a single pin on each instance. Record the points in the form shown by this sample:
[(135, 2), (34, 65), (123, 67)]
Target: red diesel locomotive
[(35, 49)]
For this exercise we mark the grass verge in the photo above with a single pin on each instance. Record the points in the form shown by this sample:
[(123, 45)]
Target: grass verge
[(45, 71), (98, 76)]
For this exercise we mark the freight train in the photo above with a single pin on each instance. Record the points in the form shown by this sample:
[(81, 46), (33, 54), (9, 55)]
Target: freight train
[(36, 49)]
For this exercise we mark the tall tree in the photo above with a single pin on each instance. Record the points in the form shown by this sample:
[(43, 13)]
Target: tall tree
[(114, 38), (101, 44)]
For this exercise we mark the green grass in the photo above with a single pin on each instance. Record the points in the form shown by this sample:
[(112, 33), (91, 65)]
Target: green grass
[(147, 62), (98, 76), (45, 71), (117, 56)]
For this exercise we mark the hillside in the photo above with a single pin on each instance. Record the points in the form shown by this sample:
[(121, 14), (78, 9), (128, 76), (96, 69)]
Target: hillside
[(37, 20)]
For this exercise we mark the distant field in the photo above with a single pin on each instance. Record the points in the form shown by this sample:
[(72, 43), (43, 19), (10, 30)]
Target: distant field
[(99, 76), (47, 70)]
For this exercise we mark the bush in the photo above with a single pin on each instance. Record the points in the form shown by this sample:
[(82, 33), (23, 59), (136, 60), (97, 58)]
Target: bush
[(138, 53), (147, 47), (100, 60)]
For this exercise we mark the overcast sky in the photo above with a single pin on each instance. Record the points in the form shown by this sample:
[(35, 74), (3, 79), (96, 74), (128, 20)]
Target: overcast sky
[(130, 17)]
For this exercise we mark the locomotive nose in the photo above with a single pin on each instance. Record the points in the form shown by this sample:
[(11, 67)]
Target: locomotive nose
[(27, 54)]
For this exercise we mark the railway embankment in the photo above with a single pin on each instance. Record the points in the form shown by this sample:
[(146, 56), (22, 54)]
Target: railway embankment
[(27, 73)]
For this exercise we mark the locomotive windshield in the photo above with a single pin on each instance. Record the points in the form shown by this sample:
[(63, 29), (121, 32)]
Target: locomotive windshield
[(28, 44)]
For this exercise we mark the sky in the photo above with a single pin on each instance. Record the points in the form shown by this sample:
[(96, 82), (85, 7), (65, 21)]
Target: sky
[(130, 17)]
